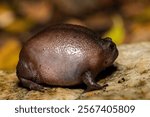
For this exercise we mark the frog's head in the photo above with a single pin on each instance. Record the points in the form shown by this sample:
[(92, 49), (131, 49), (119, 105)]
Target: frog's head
[(110, 51)]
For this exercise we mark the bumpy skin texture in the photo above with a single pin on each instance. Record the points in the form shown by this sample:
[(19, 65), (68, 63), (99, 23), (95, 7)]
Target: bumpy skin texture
[(64, 55)]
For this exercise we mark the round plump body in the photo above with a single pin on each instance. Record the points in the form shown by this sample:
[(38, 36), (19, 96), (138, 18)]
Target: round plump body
[(61, 55)]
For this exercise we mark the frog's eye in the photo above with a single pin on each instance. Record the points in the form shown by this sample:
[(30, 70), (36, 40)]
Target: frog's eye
[(112, 46), (108, 39)]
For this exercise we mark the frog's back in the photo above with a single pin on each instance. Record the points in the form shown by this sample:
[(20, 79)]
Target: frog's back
[(61, 53)]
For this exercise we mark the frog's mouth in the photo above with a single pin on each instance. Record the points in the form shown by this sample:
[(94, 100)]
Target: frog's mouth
[(116, 53), (113, 51)]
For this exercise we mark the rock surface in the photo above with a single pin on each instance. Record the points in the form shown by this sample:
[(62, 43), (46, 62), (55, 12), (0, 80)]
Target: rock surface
[(129, 78)]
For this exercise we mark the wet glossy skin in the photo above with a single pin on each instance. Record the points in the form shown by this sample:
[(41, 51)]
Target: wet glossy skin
[(64, 55)]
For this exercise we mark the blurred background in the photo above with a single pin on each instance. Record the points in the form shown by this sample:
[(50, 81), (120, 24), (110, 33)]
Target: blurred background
[(125, 21)]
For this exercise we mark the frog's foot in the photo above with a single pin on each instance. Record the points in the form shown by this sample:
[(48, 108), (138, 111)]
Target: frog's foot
[(91, 84), (95, 87), (31, 85)]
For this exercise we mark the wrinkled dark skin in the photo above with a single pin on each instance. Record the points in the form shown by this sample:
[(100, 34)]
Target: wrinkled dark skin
[(64, 55)]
